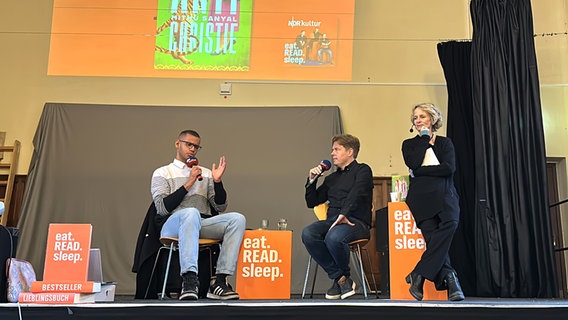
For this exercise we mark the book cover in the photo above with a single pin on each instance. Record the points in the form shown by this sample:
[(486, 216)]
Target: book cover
[(56, 297), (66, 286), (400, 185), (67, 252), (205, 35)]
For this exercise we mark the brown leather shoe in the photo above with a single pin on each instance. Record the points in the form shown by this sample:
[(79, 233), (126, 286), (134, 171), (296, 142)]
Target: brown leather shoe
[(416, 282)]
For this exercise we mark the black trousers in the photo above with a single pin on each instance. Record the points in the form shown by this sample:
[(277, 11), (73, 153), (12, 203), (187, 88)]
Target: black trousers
[(435, 263)]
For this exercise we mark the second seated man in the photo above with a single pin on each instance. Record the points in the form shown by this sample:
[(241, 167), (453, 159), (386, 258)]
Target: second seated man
[(349, 193)]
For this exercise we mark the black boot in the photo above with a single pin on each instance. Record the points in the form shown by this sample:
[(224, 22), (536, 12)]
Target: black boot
[(416, 282), (455, 292)]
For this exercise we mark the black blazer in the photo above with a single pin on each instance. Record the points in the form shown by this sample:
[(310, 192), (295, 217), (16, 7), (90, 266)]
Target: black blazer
[(431, 191)]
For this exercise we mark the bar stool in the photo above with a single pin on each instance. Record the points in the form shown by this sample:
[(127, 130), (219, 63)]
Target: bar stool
[(355, 248), (172, 244)]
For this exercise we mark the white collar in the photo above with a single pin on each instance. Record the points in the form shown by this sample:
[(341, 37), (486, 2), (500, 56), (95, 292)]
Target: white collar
[(178, 163)]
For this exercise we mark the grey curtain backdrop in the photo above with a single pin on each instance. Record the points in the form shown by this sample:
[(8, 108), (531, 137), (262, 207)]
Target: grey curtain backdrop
[(93, 164)]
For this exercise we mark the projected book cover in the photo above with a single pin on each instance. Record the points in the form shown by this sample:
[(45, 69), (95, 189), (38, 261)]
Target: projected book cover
[(207, 39), (208, 35)]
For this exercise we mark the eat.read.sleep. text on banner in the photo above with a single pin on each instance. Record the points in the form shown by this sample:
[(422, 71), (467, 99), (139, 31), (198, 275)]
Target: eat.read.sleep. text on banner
[(67, 252)]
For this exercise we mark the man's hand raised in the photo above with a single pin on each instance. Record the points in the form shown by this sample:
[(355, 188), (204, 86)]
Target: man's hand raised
[(217, 172)]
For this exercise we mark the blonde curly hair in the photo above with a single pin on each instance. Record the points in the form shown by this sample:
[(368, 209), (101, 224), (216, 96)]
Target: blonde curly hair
[(433, 111)]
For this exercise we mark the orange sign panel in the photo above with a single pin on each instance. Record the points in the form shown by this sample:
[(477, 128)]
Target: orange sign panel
[(406, 246), (67, 252), (127, 38), (264, 266)]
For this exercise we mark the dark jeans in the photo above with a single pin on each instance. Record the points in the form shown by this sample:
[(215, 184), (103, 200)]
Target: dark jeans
[(331, 249)]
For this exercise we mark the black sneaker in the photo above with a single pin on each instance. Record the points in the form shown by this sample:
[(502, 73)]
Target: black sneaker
[(189, 287), (334, 292), (222, 291), (347, 287)]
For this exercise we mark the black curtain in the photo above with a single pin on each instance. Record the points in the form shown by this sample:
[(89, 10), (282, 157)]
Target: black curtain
[(455, 58), (513, 237)]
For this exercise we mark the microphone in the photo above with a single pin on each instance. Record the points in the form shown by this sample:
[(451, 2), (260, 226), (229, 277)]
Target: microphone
[(324, 165), (424, 132), (192, 161)]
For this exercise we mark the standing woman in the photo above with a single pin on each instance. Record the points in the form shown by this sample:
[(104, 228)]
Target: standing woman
[(433, 201)]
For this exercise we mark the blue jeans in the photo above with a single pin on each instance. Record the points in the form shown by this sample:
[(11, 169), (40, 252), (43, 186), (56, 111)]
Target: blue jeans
[(188, 226), (331, 249)]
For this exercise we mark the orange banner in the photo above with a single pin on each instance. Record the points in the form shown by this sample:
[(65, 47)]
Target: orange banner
[(129, 39), (67, 252), (406, 246), (264, 266)]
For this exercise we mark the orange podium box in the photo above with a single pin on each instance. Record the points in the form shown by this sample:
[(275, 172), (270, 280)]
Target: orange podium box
[(406, 246), (265, 264)]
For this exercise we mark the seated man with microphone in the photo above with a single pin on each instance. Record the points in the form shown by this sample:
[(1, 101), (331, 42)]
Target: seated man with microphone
[(349, 193), (183, 194)]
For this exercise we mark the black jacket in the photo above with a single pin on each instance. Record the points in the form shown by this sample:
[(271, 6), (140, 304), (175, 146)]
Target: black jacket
[(349, 192), (431, 191), (148, 242), (147, 247)]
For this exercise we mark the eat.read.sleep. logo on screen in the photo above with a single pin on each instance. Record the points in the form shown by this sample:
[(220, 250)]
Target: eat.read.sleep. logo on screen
[(216, 39)]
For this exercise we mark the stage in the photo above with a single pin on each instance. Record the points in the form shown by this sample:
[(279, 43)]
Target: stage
[(355, 308)]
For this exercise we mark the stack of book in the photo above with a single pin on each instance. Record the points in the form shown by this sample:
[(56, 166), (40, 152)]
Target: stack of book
[(61, 292), (72, 271)]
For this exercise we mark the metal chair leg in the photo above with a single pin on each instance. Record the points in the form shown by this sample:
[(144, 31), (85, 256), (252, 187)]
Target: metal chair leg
[(314, 281), (356, 260), (152, 274), (163, 294), (306, 277), (372, 274), (363, 276)]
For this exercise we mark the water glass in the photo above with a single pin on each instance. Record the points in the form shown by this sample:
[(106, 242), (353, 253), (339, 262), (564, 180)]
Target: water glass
[(282, 224)]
